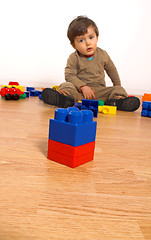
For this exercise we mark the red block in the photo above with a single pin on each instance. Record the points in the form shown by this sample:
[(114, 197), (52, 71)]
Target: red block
[(13, 83), (69, 150), (70, 161)]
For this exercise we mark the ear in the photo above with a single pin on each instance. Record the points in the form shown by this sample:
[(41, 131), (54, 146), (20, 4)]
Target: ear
[(72, 44)]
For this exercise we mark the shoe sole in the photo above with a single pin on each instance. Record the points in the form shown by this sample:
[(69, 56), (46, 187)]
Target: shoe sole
[(129, 104), (53, 97)]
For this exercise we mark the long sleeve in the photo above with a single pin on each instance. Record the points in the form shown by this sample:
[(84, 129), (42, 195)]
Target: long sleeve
[(71, 72)]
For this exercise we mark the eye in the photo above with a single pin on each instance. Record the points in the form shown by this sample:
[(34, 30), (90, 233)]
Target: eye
[(81, 40), (91, 37)]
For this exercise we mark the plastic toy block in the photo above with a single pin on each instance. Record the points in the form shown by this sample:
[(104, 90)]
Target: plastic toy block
[(73, 109), (34, 93), (27, 94), (12, 92), (55, 87), (107, 109), (70, 161), (90, 105), (78, 105), (101, 102), (23, 96), (74, 128), (146, 97), (39, 92), (70, 150), (19, 87), (146, 109), (13, 83), (30, 89), (14, 86)]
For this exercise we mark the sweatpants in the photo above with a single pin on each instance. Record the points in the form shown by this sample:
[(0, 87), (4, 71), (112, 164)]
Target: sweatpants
[(101, 93)]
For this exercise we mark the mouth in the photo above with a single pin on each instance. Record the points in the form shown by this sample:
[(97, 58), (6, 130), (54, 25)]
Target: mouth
[(89, 49)]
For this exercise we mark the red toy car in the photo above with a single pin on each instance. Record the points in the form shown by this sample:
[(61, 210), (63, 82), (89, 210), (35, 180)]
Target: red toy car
[(12, 91)]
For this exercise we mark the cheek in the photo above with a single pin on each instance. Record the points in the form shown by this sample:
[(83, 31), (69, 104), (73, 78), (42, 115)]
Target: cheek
[(80, 47)]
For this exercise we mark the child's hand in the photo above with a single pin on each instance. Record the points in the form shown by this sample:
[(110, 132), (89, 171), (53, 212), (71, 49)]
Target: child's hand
[(87, 92)]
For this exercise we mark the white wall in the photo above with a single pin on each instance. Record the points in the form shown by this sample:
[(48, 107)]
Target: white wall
[(34, 47)]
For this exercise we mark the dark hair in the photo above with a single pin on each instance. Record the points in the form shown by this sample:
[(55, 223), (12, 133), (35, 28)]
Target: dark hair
[(79, 27)]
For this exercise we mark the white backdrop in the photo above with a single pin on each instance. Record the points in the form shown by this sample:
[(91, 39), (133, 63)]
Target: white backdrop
[(34, 47)]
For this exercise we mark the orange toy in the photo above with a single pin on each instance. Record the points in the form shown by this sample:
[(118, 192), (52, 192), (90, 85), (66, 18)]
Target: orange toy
[(146, 97)]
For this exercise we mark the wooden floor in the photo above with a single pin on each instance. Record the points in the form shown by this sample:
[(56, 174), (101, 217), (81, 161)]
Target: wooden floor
[(106, 199)]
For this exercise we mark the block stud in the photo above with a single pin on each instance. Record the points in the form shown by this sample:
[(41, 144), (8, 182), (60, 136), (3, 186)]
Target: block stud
[(75, 117), (61, 114), (72, 109), (87, 116)]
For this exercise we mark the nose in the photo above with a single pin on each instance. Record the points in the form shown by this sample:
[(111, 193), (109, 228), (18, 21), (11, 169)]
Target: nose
[(87, 41)]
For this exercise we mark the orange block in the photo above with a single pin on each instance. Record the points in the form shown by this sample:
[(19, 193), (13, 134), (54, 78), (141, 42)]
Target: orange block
[(146, 97)]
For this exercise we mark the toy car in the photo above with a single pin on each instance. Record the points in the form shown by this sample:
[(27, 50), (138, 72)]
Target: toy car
[(13, 91)]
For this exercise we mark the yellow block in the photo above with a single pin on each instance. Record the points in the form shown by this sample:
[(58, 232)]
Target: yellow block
[(16, 86), (107, 109), (55, 87)]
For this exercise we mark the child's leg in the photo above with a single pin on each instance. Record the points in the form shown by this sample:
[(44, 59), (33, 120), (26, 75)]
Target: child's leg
[(117, 96), (105, 93), (71, 90)]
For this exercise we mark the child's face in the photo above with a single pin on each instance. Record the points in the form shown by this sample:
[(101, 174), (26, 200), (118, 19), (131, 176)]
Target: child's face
[(87, 43)]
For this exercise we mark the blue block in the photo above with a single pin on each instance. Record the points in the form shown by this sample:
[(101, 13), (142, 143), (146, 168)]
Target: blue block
[(27, 94), (73, 109), (146, 105), (78, 105), (30, 88), (72, 127), (34, 93), (39, 92), (146, 109), (90, 105)]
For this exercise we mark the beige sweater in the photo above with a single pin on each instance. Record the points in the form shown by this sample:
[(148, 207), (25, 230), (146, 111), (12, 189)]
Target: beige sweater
[(80, 71)]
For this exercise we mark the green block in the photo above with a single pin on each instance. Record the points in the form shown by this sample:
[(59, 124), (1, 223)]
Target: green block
[(23, 96), (101, 103)]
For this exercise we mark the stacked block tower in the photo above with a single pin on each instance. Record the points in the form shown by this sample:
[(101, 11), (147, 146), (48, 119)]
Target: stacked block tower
[(146, 105), (72, 137)]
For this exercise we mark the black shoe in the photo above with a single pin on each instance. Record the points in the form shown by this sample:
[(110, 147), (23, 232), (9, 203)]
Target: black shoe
[(53, 97), (128, 104)]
